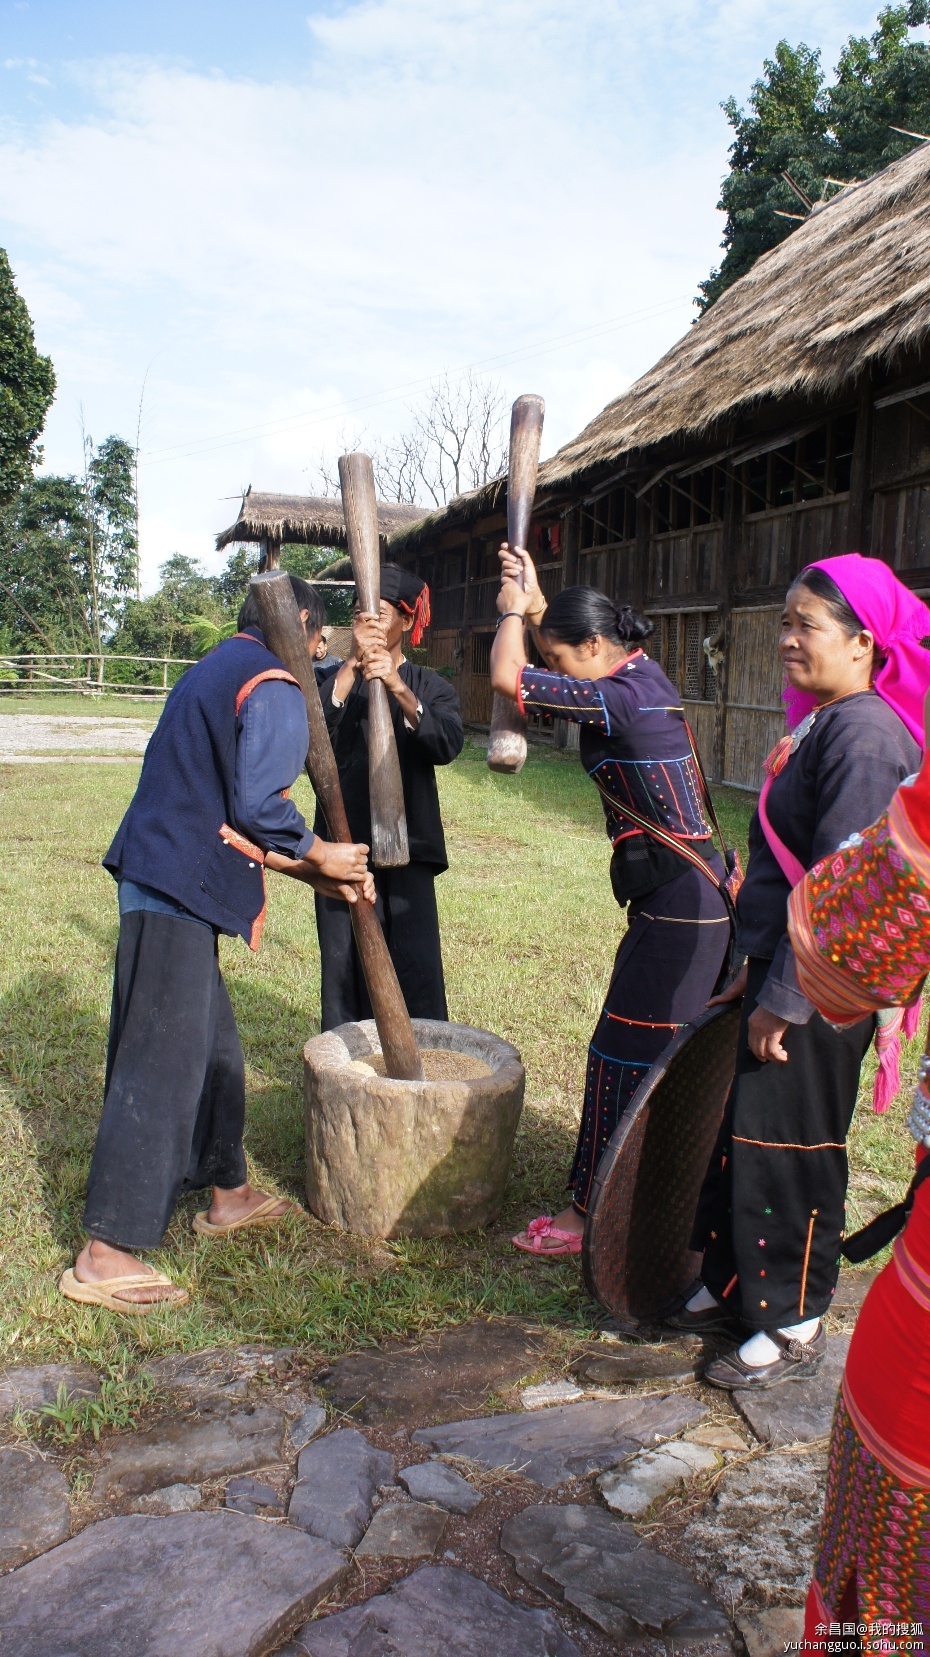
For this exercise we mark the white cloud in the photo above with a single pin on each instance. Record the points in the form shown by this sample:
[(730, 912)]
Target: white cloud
[(434, 187)]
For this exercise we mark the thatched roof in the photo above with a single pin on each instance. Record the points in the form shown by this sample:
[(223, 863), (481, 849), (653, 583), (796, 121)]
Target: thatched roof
[(849, 289), (309, 519)]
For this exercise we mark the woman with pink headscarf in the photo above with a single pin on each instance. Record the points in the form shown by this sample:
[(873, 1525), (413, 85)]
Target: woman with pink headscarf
[(772, 1210)]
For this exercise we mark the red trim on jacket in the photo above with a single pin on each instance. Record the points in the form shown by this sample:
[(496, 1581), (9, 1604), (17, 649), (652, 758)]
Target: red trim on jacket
[(269, 673)]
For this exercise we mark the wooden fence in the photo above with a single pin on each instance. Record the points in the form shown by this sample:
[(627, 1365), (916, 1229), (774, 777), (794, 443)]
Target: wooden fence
[(86, 674)]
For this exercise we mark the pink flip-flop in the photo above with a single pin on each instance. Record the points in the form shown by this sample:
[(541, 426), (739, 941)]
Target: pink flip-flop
[(531, 1240)]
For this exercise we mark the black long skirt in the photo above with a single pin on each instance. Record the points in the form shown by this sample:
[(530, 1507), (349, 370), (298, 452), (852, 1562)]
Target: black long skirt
[(174, 1104), (664, 974), (772, 1209), (406, 908)]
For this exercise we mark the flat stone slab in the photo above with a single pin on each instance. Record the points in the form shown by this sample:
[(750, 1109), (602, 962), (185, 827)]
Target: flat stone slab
[(432, 1481), (174, 1498), (582, 1557), (403, 1530), (34, 1511), (220, 1376), (550, 1392), (200, 1378), (337, 1479), (210, 1583), (439, 1379), (30, 1386), (759, 1535), (439, 1611), (768, 1633), (717, 1436), (311, 1421), (632, 1489), (187, 1451), (639, 1363), (798, 1412), (538, 1535), (568, 1441), (247, 1495)]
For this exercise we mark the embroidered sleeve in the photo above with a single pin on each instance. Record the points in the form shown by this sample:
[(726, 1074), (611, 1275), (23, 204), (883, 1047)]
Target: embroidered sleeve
[(579, 700)]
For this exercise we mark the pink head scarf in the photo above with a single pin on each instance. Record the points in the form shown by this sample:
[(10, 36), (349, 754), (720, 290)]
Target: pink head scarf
[(898, 620)]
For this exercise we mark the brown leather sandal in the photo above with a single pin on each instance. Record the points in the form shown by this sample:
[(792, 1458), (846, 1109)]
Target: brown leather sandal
[(797, 1361)]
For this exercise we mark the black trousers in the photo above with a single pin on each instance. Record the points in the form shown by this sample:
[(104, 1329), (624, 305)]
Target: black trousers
[(773, 1207), (174, 1105), (406, 908)]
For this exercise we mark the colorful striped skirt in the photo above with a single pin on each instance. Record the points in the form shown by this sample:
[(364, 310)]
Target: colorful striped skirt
[(873, 1559)]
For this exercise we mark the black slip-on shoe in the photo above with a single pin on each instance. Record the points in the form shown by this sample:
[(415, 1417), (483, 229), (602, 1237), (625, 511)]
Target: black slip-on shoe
[(711, 1320), (796, 1361)]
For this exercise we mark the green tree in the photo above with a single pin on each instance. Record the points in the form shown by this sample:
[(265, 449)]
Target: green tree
[(881, 83), (783, 129), (43, 565), (794, 123), (232, 583), (27, 387), (68, 554), (167, 622)]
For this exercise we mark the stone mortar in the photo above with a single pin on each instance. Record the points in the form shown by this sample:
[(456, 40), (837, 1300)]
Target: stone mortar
[(387, 1158)]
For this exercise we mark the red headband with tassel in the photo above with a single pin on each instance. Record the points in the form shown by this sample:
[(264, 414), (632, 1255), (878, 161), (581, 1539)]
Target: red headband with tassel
[(420, 613)]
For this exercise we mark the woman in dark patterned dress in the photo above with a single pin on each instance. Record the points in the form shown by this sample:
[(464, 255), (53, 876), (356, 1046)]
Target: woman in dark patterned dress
[(636, 748)]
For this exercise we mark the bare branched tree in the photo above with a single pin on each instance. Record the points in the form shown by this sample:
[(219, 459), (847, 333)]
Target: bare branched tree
[(455, 441), (461, 436)]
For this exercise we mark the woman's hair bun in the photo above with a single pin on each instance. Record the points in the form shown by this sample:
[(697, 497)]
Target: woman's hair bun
[(631, 626), (579, 613)]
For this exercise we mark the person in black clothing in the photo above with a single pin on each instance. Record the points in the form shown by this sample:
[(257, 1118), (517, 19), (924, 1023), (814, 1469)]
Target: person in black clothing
[(772, 1210), (427, 721)]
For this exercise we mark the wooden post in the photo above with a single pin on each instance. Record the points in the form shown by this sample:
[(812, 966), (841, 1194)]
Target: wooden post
[(730, 558), (285, 636), (859, 512)]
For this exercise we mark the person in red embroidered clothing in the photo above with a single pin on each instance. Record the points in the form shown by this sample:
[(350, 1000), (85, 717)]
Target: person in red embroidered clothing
[(635, 746), (210, 814), (872, 1564)]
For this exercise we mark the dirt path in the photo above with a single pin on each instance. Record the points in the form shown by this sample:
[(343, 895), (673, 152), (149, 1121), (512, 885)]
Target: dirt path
[(71, 739)]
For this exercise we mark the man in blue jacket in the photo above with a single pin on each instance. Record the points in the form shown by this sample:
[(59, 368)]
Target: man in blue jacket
[(210, 814)]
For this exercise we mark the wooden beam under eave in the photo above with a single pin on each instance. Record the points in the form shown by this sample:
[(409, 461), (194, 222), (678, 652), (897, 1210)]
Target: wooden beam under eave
[(859, 508)]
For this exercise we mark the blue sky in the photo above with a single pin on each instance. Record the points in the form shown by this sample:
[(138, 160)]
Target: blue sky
[(291, 218)]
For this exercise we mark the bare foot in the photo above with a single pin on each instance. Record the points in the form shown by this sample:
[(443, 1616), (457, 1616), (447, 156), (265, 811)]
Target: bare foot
[(99, 1261), (237, 1204)]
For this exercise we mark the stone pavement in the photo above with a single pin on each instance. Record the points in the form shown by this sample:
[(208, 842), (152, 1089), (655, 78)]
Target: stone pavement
[(268, 1506)]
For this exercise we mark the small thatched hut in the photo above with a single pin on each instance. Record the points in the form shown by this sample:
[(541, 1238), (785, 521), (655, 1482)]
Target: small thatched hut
[(307, 520), (791, 422)]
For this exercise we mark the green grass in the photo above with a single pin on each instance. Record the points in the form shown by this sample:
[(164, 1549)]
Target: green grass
[(529, 929)]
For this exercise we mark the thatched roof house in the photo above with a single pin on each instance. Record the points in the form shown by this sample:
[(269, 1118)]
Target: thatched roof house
[(310, 520), (791, 421)]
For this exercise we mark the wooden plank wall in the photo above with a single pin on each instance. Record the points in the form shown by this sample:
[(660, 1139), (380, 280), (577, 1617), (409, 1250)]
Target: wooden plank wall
[(862, 482), (755, 713)]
